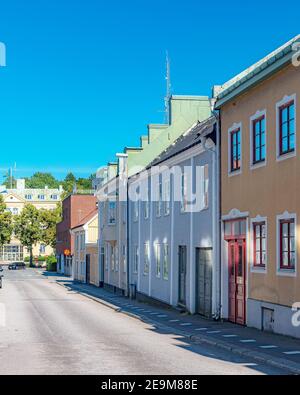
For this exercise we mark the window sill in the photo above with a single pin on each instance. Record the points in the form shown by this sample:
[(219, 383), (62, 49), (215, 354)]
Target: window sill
[(288, 155), (287, 272), (259, 269), (234, 173), (258, 165)]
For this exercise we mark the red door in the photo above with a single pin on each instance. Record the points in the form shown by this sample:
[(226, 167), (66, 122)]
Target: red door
[(237, 281)]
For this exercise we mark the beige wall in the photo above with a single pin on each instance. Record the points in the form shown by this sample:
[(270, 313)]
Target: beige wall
[(93, 251), (267, 191)]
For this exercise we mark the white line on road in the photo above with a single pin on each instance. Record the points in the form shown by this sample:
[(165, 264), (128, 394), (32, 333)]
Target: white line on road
[(292, 353), (230, 336), (213, 332), (174, 321), (162, 316), (248, 341), (268, 347), (201, 329), (186, 324)]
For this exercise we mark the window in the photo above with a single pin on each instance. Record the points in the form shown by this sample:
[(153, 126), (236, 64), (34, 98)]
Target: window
[(111, 213), (158, 260), (235, 150), (167, 197), (287, 244), (28, 197), (15, 211), (42, 249), (159, 202), (146, 258), (112, 258), (116, 256), (259, 245), (41, 197), (205, 179), (135, 259), (259, 139), (54, 197), (124, 255), (183, 192), (136, 208), (165, 261), (287, 128)]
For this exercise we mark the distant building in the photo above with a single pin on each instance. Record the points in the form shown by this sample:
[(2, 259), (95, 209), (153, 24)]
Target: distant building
[(74, 209), (15, 200), (85, 260)]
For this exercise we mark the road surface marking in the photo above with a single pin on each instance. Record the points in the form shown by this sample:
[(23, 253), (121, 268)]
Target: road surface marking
[(162, 316), (174, 321), (154, 313), (201, 329), (213, 332), (186, 324), (230, 336), (248, 341), (268, 347), (292, 353)]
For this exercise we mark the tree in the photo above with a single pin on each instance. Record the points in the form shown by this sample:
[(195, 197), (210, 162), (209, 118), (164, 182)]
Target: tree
[(40, 180), (48, 221), (9, 180), (27, 228), (6, 227)]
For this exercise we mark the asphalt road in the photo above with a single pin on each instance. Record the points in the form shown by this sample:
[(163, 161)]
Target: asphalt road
[(48, 330)]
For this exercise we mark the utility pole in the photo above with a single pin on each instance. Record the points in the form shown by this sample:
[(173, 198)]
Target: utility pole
[(169, 89)]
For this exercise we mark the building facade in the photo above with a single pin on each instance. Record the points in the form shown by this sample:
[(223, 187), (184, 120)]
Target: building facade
[(173, 216), (74, 208), (86, 267), (185, 112), (15, 200), (260, 187)]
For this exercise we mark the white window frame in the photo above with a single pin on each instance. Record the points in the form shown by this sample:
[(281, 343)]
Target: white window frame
[(205, 186), (146, 259), (184, 193), (114, 210), (165, 261), (283, 272), (280, 104), (234, 127), (157, 247), (253, 118), (256, 269), (167, 197), (135, 268), (159, 200), (136, 209)]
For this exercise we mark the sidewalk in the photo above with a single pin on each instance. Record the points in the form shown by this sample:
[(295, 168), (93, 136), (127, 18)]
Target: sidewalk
[(275, 350)]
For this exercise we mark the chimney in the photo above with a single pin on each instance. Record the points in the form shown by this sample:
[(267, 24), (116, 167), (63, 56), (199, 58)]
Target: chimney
[(21, 184)]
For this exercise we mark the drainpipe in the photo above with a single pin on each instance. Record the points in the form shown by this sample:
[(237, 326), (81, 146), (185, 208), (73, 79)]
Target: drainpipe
[(127, 241)]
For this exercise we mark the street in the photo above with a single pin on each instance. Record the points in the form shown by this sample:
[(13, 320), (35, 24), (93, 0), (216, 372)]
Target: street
[(49, 330)]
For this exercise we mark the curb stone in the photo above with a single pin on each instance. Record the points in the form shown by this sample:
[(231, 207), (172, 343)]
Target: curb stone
[(280, 363)]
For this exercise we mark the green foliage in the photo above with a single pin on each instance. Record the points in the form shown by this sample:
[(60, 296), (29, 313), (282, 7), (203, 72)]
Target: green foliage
[(6, 226), (27, 228), (40, 180), (51, 264), (9, 180), (48, 221)]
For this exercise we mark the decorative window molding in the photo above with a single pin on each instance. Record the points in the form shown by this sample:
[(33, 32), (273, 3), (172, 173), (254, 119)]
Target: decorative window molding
[(259, 115), (285, 217), (257, 221), (284, 102), (235, 214), (234, 127)]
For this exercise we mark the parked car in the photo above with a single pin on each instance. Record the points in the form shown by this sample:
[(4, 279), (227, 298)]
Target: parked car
[(17, 266), (1, 268)]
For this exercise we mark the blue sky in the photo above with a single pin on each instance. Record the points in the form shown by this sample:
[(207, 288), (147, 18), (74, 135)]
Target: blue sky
[(85, 77)]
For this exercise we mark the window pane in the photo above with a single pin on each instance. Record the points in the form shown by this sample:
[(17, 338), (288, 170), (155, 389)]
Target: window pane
[(284, 115), (293, 259), (284, 230), (284, 130), (292, 142), (285, 244), (285, 259), (258, 262), (228, 228), (292, 111)]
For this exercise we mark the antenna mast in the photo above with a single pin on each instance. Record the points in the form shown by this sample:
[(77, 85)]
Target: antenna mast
[(168, 94)]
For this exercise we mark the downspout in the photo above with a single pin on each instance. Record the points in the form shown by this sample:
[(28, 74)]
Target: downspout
[(127, 240)]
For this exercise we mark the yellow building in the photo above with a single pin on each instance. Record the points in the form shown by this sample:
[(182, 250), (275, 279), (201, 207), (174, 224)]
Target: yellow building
[(85, 266), (260, 169), (15, 200)]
